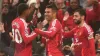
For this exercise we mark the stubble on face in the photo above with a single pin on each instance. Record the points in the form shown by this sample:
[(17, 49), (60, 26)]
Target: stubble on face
[(48, 14), (77, 18)]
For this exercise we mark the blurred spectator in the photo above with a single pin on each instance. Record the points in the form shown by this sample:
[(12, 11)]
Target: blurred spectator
[(60, 5), (5, 41), (39, 8), (7, 15), (67, 50), (5, 6), (83, 3), (93, 14), (98, 52), (5, 1), (15, 2), (10, 1), (67, 2), (2, 53), (97, 39), (42, 7), (74, 5)]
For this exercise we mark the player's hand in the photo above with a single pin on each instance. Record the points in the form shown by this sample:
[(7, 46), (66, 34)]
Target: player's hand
[(31, 26), (66, 15), (40, 25), (11, 35), (45, 22)]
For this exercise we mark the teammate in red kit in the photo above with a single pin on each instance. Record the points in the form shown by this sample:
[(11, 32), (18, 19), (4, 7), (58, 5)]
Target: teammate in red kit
[(21, 33), (83, 33), (54, 33)]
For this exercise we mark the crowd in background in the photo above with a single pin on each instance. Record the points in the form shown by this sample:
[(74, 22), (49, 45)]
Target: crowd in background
[(65, 10)]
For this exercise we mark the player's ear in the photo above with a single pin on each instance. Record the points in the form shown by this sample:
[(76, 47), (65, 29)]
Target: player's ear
[(83, 17), (54, 14)]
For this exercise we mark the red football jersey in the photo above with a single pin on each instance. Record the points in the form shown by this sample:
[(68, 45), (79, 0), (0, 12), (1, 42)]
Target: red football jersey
[(23, 38), (84, 34), (53, 38)]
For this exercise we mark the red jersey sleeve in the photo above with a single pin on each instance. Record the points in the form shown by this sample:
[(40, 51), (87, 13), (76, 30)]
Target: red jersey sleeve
[(88, 33), (51, 32), (69, 34), (26, 37)]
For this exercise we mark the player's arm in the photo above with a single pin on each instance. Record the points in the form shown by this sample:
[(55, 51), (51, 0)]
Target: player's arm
[(27, 37), (65, 18), (50, 33), (86, 32), (69, 34), (89, 35)]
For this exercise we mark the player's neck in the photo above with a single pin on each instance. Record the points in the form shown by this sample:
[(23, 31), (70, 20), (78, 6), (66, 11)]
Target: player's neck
[(23, 17), (51, 20)]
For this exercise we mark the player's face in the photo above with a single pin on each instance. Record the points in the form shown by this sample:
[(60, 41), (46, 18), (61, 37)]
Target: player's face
[(27, 12), (48, 14), (77, 18)]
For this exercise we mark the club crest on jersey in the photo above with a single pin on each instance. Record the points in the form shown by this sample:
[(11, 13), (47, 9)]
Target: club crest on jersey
[(79, 33)]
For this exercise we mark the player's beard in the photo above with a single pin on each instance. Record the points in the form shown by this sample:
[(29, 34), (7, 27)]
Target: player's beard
[(48, 18), (77, 22)]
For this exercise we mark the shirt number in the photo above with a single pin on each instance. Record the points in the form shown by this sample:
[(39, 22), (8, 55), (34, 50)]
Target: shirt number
[(17, 36)]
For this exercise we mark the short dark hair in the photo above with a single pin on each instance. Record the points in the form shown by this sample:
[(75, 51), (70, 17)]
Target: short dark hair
[(82, 12), (52, 6), (21, 8)]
